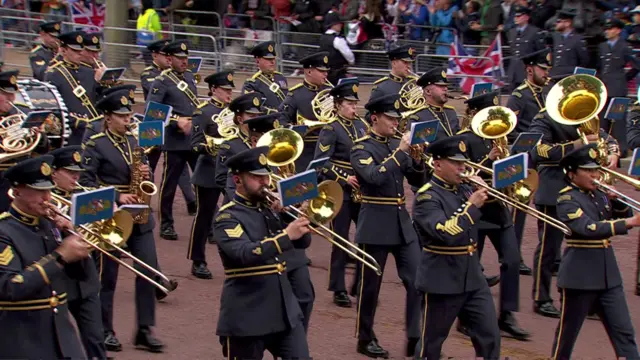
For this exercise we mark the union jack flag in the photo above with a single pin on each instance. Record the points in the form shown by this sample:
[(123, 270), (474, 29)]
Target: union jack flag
[(476, 69), (87, 14)]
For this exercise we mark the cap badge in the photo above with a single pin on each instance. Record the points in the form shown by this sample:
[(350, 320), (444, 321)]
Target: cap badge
[(444, 74), (132, 94), (124, 100), (354, 88), (410, 51), (183, 46), (326, 60), (593, 154), (79, 39), (270, 48), (495, 100), (397, 104), (13, 80), (462, 146), (56, 26), (256, 102), (262, 159), (230, 77), (276, 124), (45, 169), (94, 40), (76, 157)]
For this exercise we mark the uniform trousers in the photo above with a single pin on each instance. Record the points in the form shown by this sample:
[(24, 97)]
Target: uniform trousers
[(475, 309), (206, 201), (302, 288), (504, 241), (287, 345), (174, 165), (86, 313), (142, 246), (184, 183), (407, 258), (519, 219), (341, 225), (611, 307), (549, 244)]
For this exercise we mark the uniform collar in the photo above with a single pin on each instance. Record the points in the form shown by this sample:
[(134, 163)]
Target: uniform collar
[(155, 66), (379, 138), (534, 87), (242, 200), (269, 76), (63, 193), (438, 181), (70, 65), (396, 78), (344, 120), (23, 217), (576, 187), (436, 107), (310, 86), (116, 137), (217, 103)]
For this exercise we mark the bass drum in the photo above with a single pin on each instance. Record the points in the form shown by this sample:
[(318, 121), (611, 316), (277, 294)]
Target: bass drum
[(35, 95)]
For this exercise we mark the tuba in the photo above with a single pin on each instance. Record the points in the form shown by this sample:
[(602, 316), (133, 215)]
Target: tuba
[(323, 108), (285, 147), (143, 189), (576, 101)]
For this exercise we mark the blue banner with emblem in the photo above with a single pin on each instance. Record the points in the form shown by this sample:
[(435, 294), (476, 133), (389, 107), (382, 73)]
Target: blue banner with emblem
[(525, 142), (617, 109), (194, 63), (91, 206), (510, 170), (298, 188), (151, 133), (424, 131), (157, 112), (586, 71), (634, 166), (317, 164), (478, 89)]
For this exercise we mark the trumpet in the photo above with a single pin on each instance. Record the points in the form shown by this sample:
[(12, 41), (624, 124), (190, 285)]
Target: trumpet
[(627, 200), (99, 63)]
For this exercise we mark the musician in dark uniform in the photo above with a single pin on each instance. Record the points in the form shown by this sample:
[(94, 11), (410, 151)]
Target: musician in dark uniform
[(207, 192), (589, 275), (296, 108), (176, 87), (633, 136), (78, 85), (402, 59), (496, 224), (381, 163), (526, 101), (82, 294), (35, 265), (524, 38), (434, 83), (445, 215), (97, 125), (569, 47), (244, 107), (557, 140), (258, 308), (271, 84), (42, 54), (91, 49), (108, 159), (335, 142), (614, 55)]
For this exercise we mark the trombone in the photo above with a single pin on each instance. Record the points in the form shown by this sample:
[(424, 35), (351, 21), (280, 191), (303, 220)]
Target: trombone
[(627, 200)]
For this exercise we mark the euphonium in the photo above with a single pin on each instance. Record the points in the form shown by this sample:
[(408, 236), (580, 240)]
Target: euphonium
[(411, 95), (323, 108), (143, 189), (285, 147)]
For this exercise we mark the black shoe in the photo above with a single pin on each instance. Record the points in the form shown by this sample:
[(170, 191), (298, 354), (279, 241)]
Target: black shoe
[(168, 233), (525, 270), (192, 208), (411, 347), (546, 309), (556, 268), (493, 280), (372, 349), (341, 299), (145, 340), (171, 285), (462, 329), (201, 271), (211, 239), (508, 324), (111, 342)]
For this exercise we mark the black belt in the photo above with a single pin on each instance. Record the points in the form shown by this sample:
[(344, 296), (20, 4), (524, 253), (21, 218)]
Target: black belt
[(342, 164), (256, 270), (451, 250), (588, 244), (382, 200), (35, 304)]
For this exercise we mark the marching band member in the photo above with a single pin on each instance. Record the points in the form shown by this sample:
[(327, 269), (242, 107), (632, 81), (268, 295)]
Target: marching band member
[(633, 137), (526, 101), (97, 125), (160, 63), (108, 159), (450, 276), (175, 86), (589, 274), (434, 83), (495, 223), (557, 140), (77, 84), (335, 141), (207, 192), (272, 85), (258, 309), (42, 54), (381, 163), (401, 59), (91, 49), (82, 294), (296, 109), (35, 263)]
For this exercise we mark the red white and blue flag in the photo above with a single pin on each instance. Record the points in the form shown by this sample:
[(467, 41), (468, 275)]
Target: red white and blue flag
[(484, 68), (88, 14)]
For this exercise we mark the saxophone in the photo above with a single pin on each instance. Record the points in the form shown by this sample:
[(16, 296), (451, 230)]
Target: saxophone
[(141, 188)]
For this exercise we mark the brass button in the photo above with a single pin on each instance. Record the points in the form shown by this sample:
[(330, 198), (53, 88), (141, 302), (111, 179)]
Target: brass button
[(280, 268), (55, 310), (53, 301), (605, 243)]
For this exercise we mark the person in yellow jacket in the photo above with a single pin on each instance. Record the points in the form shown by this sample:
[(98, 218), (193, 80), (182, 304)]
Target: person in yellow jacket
[(149, 28)]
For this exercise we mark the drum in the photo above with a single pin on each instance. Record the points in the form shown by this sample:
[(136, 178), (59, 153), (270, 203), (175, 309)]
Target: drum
[(35, 95)]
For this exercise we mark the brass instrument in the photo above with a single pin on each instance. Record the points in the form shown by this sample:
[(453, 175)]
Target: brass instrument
[(11, 123), (142, 189), (18, 143), (285, 147), (627, 200), (99, 63), (461, 97), (577, 100), (226, 127), (411, 95), (323, 108)]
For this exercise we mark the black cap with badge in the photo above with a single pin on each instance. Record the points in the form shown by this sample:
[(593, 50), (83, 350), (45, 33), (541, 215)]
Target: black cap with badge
[(247, 103), (483, 101), (435, 76), (583, 158), (566, 14), (520, 10), (129, 87), (253, 161), (91, 42), (178, 48), (34, 173), (67, 157), (452, 148), (9, 81), (265, 50), (540, 58), (347, 90), (72, 39), (386, 104), (404, 53), (613, 23), (222, 79), (116, 102), (318, 60), (52, 28), (157, 46), (263, 123)]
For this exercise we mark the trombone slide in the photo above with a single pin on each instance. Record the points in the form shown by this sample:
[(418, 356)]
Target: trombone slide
[(627, 200)]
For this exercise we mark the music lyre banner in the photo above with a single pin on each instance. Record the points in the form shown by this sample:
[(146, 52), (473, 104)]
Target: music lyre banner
[(138, 117), (525, 142), (424, 131), (112, 74), (617, 109), (300, 129), (91, 206), (194, 63), (510, 170), (151, 133), (478, 89), (43, 120), (157, 112), (316, 164), (586, 71), (298, 188), (634, 166)]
